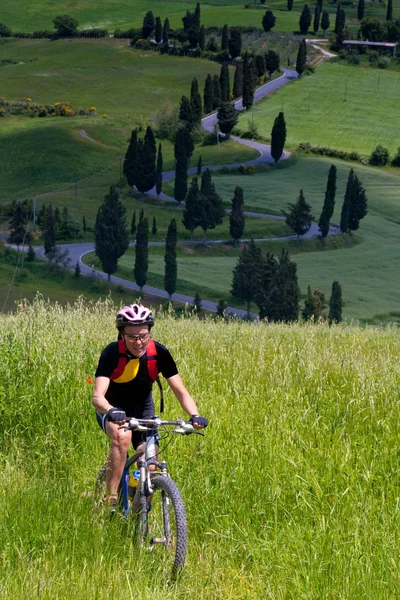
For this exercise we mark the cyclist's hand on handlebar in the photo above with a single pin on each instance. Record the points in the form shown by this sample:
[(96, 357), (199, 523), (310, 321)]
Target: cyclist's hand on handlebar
[(116, 415), (198, 422)]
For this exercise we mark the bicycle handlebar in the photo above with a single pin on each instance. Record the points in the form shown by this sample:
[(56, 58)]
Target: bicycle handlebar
[(181, 426)]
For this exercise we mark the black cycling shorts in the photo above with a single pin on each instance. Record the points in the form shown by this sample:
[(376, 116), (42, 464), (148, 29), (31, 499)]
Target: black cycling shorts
[(138, 437)]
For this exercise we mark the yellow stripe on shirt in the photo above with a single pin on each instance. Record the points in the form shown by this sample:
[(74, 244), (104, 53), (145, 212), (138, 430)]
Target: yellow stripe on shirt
[(130, 371)]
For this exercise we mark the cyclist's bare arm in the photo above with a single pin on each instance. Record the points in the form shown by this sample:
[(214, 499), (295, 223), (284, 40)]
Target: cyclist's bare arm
[(99, 400), (184, 398)]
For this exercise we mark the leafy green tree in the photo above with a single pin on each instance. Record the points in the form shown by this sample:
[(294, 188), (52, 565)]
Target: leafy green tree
[(248, 82), (141, 253), (165, 34), (159, 170), (301, 57), (299, 217), (227, 117), (395, 162), (317, 18), (278, 137), (191, 25), (314, 306), (192, 207), (148, 24), (268, 21), (67, 228), (335, 304), (222, 308), (236, 217), (111, 232), (389, 11), (208, 95), (131, 159), (329, 203), (158, 30), (225, 38), (235, 42), (211, 211), (305, 19), (65, 25), (345, 214), (216, 92), (49, 234), (260, 65), (271, 62), (379, 157), (146, 162), (18, 224), (171, 267), (247, 274), (224, 83), (5, 31), (289, 4), (325, 21), (238, 80), (358, 205), (373, 30), (284, 292), (133, 223), (360, 9), (195, 102)]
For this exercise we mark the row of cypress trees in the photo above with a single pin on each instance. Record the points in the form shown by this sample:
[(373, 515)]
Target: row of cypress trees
[(143, 164)]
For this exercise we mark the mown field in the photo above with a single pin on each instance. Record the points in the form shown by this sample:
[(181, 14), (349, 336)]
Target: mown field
[(126, 86), (351, 108), (124, 14), (309, 511)]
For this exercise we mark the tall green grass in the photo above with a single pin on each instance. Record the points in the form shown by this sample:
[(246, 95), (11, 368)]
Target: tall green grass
[(293, 492)]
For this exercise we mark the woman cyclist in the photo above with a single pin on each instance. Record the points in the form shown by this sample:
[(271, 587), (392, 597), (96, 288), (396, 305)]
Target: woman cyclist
[(123, 387)]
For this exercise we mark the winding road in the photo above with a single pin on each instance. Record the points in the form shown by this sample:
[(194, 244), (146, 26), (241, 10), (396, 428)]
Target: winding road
[(77, 251)]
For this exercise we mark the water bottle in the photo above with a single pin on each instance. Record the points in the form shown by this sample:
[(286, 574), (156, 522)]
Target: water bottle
[(133, 483)]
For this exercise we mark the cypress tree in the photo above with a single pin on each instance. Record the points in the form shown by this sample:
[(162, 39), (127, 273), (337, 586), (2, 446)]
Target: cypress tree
[(268, 21), (236, 217), (158, 30), (183, 149), (360, 10), (148, 24), (271, 61), (216, 92), (340, 19), (141, 253), (345, 214), (159, 169), (208, 95), (202, 38), (389, 11), (77, 272), (308, 309), (224, 83), (49, 234), (289, 4), (299, 217), (278, 137), (301, 57), (235, 42), (227, 117), (224, 38), (325, 21), (195, 102), (247, 274), (248, 83), (18, 224), (305, 19), (171, 268), (199, 165), (131, 160), (154, 227), (165, 34), (30, 255), (197, 303), (192, 207), (335, 304), (238, 80), (260, 65), (146, 162), (133, 223), (284, 294), (111, 232), (221, 308), (211, 210), (317, 18), (185, 111), (358, 205), (262, 297), (329, 203)]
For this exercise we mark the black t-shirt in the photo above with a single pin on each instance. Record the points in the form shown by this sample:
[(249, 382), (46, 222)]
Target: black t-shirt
[(132, 390)]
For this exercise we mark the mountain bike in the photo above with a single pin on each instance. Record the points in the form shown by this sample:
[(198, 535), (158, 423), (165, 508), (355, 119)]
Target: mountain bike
[(156, 503)]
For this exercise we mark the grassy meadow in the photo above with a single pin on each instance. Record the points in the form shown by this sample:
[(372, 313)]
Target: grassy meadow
[(309, 511), (351, 108), (124, 14)]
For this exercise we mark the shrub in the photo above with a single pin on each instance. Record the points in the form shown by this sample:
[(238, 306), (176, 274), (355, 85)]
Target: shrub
[(383, 62), (246, 170), (353, 59), (212, 45), (373, 57), (342, 54), (379, 157), (396, 159), (331, 152)]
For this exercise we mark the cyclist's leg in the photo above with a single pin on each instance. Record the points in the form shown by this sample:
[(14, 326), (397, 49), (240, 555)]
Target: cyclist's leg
[(120, 441)]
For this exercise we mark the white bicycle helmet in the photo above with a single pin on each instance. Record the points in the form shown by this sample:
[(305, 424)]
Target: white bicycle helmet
[(135, 314)]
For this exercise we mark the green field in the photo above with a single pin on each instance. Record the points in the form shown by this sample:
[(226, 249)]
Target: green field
[(292, 493), (124, 14), (346, 107)]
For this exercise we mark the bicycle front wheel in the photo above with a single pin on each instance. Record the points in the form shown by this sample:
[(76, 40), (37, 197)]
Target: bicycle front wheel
[(165, 530)]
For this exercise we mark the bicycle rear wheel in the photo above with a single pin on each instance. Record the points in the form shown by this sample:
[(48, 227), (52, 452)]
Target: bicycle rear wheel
[(163, 530)]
